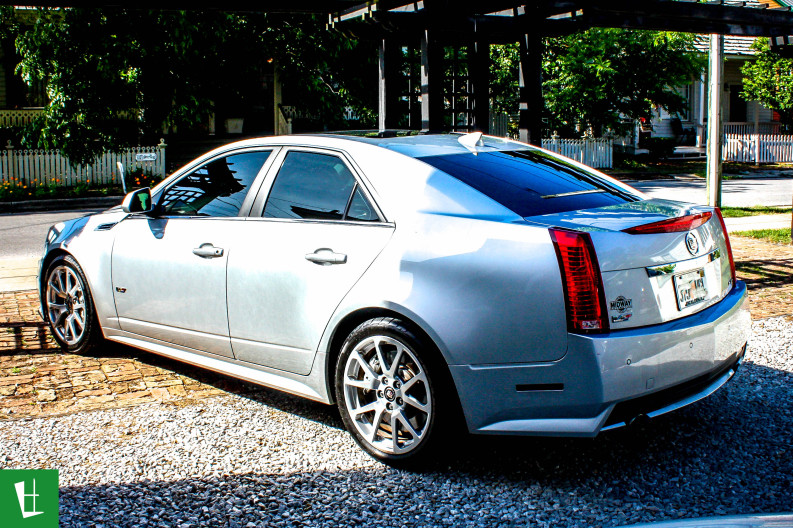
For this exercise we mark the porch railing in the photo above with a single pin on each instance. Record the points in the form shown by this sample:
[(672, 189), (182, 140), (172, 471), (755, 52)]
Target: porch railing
[(18, 118)]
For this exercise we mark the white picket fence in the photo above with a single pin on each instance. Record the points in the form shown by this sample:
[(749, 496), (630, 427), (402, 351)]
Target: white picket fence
[(34, 168), (758, 148), (597, 153)]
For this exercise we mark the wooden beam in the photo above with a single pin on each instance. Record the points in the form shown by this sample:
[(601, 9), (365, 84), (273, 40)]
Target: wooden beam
[(530, 79), (479, 74), (431, 83)]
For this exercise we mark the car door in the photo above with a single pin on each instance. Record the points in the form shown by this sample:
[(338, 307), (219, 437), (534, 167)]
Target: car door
[(169, 271), (318, 232)]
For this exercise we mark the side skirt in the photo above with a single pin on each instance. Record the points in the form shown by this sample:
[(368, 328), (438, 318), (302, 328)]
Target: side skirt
[(271, 378)]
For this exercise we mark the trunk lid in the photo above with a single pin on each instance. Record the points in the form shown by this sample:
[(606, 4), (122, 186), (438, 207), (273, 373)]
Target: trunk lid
[(654, 277)]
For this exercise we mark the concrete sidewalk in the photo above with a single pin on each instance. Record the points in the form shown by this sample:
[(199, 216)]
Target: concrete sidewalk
[(750, 223), (18, 274)]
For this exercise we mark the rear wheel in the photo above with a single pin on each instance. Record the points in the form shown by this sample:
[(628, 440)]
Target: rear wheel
[(391, 391), (70, 309)]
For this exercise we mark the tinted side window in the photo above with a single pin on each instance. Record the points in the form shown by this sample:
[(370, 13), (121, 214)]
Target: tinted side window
[(310, 186), (360, 209), (531, 183), (215, 189)]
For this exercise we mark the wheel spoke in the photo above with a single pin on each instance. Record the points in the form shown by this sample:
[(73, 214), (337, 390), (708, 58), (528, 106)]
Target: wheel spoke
[(364, 365), (413, 402), (395, 365), (378, 417), (61, 278), (420, 377), (55, 287), (380, 356), (406, 423), (395, 434), (70, 323), (370, 384), (369, 407)]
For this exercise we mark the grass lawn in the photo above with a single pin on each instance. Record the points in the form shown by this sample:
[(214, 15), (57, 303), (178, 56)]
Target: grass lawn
[(775, 236), (736, 212), (638, 167)]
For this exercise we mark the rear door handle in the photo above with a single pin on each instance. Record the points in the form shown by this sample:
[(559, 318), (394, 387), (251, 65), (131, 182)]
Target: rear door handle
[(208, 251), (326, 257)]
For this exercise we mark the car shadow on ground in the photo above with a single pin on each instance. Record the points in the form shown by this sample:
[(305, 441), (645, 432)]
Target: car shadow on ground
[(729, 454)]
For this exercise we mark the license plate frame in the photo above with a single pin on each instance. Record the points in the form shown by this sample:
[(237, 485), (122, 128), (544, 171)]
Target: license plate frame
[(690, 288)]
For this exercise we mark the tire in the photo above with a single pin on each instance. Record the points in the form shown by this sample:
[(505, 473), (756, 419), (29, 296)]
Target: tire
[(70, 308), (387, 378)]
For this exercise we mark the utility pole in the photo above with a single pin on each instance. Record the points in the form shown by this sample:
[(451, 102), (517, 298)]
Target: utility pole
[(715, 128)]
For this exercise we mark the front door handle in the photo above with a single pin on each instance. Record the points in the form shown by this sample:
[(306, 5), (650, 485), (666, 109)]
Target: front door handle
[(326, 257), (208, 251)]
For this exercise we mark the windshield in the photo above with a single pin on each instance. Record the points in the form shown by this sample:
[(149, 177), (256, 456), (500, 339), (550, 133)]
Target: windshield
[(531, 182)]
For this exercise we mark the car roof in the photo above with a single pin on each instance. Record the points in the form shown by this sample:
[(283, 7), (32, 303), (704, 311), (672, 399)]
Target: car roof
[(422, 145)]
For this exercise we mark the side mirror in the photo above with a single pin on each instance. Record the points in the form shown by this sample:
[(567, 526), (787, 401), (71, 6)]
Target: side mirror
[(138, 201)]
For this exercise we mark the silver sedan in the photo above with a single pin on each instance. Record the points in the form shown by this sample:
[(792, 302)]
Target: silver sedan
[(419, 282)]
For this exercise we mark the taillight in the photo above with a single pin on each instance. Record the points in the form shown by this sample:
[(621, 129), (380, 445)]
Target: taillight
[(727, 243), (583, 287), (672, 225)]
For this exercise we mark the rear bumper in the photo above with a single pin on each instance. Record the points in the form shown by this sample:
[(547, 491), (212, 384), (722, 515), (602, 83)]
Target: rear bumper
[(604, 381)]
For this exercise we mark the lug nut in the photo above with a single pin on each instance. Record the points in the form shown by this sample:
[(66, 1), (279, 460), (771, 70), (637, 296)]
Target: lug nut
[(397, 384), (385, 380), (379, 394), (399, 401), (389, 406)]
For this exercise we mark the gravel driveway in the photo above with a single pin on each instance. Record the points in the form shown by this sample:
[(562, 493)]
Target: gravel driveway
[(273, 460)]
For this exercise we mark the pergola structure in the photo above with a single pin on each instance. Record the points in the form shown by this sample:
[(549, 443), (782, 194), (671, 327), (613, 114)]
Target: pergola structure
[(429, 26)]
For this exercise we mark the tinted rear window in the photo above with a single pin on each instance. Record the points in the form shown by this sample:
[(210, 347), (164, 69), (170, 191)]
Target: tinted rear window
[(530, 183)]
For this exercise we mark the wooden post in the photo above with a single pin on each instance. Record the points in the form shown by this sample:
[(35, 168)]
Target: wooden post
[(277, 100), (431, 83), (479, 75), (715, 128), (388, 96), (530, 77)]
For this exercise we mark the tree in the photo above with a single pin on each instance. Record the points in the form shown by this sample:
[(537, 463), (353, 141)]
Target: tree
[(597, 79), (769, 80), (115, 77)]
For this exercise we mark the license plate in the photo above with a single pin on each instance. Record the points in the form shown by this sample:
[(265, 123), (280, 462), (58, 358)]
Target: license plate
[(690, 288)]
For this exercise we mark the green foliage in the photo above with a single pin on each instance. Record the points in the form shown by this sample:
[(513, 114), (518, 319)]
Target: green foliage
[(738, 212), (138, 178), (769, 80), (596, 79), (504, 61), (775, 236), (116, 77)]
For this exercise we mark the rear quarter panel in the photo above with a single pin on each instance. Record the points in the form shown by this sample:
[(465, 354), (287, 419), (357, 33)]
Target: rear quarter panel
[(486, 292)]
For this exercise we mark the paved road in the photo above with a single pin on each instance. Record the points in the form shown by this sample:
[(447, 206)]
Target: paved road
[(22, 234), (744, 192)]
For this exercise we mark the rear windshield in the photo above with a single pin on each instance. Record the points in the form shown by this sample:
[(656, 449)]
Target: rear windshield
[(529, 182)]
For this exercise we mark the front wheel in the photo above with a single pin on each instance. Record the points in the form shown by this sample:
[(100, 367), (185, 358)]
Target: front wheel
[(389, 387), (69, 306)]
